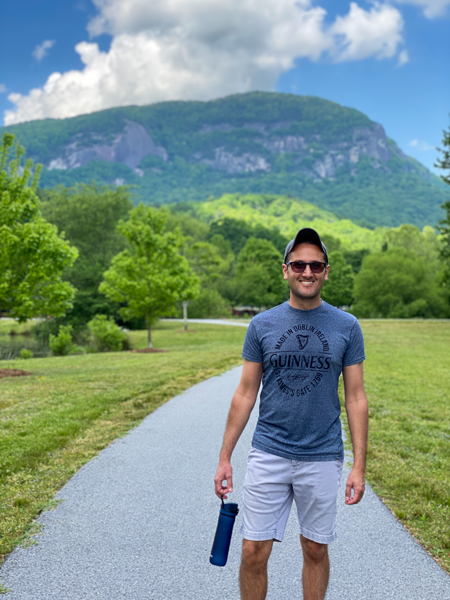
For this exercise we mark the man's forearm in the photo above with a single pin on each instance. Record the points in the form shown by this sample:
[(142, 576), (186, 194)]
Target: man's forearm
[(358, 423), (237, 420)]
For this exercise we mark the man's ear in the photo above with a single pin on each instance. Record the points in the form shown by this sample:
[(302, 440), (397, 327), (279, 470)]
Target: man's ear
[(285, 271), (327, 268)]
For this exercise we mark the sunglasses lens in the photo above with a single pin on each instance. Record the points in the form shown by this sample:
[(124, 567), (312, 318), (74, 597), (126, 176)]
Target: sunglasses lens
[(317, 267), (298, 267)]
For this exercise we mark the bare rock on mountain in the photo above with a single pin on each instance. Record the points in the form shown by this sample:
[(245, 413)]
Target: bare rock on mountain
[(129, 147)]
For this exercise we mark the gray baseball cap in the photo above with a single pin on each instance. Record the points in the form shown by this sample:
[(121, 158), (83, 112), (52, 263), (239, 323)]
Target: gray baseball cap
[(306, 235)]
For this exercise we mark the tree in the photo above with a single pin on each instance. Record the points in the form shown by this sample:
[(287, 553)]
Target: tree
[(88, 215), (338, 290), (150, 276), (33, 256), (259, 277), (444, 224), (396, 284)]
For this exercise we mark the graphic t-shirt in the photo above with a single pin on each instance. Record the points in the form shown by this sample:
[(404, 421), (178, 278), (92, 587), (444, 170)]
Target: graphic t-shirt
[(303, 353)]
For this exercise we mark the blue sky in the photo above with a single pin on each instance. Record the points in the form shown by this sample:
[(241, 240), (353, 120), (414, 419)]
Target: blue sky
[(389, 60)]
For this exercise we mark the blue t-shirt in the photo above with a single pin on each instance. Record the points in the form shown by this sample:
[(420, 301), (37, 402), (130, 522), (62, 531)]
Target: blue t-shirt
[(303, 353)]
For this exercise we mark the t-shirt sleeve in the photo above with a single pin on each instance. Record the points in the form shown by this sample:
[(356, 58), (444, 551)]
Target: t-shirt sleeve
[(355, 349), (252, 348)]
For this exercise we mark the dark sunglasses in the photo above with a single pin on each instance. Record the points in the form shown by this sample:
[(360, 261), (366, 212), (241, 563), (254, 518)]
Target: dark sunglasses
[(298, 266)]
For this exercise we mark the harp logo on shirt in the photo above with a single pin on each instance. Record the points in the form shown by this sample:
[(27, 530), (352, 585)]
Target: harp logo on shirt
[(302, 340)]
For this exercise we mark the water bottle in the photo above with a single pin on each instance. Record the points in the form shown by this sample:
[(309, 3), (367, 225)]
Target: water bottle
[(222, 539)]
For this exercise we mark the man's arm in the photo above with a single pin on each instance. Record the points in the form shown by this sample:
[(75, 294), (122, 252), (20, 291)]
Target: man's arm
[(358, 421), (242, 405)]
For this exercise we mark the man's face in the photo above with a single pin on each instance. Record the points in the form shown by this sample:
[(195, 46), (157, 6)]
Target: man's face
[(305, 287)]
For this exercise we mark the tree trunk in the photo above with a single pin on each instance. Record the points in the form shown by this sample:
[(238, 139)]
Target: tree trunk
[(185, 314), (149, 334)]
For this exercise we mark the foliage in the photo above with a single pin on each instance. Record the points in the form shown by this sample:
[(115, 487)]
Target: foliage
[(61, 344), (208, 305), (150, 276), (108, 336), (25, 353), (338, 290), (281, 218), (33, 256), (88, 215), (259, 276), (444, 224), (396, 283)]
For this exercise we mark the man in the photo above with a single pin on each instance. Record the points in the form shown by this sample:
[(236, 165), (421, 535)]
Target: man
[(298, 349)]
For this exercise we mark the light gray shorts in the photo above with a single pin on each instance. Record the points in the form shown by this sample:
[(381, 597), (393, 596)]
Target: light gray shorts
[(272, 483)]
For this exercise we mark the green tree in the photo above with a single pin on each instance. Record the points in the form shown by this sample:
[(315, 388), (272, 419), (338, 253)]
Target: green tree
[(88, 215), (150, 276), (397, 284), (259, 276), (338, 290), (444, 224), (32, 255)]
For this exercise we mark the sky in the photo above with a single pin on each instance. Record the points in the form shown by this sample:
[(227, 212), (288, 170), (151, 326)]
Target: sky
[(388, 59)]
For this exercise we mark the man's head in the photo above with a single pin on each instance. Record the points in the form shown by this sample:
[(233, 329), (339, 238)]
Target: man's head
[(305, 268), (305, 235)]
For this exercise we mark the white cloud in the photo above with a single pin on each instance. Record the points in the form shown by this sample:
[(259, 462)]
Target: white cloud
[(202, 49), (2, 88), (362, 34), (424, 146), (403, 58), (431, 8), (42, 50)]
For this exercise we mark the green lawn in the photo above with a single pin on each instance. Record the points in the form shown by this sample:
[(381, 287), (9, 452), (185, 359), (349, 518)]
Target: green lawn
[(407, 375), (70, 408)]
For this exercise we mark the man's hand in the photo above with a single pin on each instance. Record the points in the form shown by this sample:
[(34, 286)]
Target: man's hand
[(355, 484), (224, 474)]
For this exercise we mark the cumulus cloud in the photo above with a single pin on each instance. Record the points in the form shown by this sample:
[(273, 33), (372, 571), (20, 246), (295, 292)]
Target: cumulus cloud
[(431, 8), (363, 34), (203, 49), (43, 49)]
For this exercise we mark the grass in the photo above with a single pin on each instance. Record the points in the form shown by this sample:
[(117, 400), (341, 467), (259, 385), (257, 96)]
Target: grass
[(55, 420), (61, 416), (407, 380)]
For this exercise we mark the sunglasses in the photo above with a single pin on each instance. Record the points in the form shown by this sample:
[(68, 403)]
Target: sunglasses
[(299, 266)]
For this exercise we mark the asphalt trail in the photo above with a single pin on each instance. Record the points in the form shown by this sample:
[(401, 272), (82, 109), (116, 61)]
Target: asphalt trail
[(138, 522)]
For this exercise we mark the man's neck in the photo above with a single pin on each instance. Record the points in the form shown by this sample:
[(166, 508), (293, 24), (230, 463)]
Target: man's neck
[(304, 303)]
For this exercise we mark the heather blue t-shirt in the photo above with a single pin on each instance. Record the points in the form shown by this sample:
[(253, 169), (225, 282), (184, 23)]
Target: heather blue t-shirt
[(303, 353)]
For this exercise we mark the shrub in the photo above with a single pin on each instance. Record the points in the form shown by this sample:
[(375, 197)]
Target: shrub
[(108, 337), (61, 344), (25, 353)]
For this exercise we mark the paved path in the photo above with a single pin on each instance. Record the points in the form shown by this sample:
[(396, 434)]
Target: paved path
[(138, 522)]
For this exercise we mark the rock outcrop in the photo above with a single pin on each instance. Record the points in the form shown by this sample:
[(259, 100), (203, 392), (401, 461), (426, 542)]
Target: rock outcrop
[(129, 147)]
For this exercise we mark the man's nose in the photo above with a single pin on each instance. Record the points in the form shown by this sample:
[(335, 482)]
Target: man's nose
[(307, 272)]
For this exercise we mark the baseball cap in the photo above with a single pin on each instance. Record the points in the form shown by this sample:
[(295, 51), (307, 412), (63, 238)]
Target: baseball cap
[(306, 235)]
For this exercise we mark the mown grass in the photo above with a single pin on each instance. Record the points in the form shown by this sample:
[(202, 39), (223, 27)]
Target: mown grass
[(407, 380), (58, 418), (55, 420)]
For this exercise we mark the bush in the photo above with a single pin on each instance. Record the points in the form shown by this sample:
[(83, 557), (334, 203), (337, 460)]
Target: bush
[(61, 345), (108, 337), (25, 353)]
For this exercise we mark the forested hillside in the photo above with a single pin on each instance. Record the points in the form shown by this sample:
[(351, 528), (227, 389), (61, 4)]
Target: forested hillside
[(262, 143)]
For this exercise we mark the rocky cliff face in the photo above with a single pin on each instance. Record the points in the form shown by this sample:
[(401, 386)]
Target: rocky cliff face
[(309, 154), (129, 147)]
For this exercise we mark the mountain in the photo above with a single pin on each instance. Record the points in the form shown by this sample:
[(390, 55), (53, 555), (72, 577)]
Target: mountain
[(263, 143)]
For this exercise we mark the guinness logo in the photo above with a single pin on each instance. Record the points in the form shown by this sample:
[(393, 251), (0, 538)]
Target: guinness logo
[(302, 340)]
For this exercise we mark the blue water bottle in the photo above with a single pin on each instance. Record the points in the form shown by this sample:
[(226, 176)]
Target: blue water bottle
[(222, 539)]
